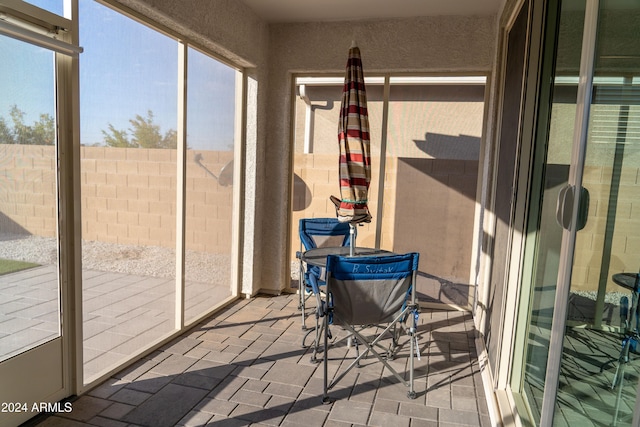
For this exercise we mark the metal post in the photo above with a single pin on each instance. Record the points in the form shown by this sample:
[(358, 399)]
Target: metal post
[(325, 323), (352, 240), (413, 336)]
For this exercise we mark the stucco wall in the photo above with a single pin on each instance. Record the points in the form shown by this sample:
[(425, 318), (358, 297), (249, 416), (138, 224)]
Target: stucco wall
[(443, 44), (226, 27)]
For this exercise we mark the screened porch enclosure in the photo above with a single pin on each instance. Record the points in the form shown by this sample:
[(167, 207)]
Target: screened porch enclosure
[(425, 142)]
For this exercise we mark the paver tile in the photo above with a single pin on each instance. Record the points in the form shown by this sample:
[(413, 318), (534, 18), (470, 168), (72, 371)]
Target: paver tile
[(258, 415), (251, 398), (418, 411), (352, 412), (459, 417), (167, 407), (87, 407), (130, 396), (215, 406), (310, 418), (289, 373), (385, 419), (117, 410)]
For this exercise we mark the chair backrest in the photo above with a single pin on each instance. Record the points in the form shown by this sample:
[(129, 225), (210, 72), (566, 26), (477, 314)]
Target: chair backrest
[(318, 232), (370, 290)]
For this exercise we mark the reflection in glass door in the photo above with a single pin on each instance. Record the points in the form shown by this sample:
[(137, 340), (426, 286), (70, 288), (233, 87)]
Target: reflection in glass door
[(589, 391), (575, 372)]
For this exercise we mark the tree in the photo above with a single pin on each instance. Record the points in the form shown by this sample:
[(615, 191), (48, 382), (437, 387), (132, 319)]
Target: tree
[(20, 130), (117, 138), (170, 139), (42, 132), (144, 134), (6, 136)]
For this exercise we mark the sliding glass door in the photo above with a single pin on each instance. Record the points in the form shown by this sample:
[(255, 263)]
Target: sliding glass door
[(584, 231), (33, 341)]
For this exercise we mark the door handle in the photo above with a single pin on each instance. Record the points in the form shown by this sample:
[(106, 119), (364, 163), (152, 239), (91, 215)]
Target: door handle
[(564, 207), (583, 208)]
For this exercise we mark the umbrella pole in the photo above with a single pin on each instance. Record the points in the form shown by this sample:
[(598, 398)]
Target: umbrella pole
[(352, 239)]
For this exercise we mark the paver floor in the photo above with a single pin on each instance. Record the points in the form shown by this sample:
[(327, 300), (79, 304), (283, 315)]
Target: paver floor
[(246, 366)]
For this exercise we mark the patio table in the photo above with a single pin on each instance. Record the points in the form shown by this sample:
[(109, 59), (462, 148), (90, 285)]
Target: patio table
[(629, 282), (318, 256), (626, 280)]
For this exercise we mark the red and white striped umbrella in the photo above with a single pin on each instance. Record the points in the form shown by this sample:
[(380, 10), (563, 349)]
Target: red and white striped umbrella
[(354, 141)]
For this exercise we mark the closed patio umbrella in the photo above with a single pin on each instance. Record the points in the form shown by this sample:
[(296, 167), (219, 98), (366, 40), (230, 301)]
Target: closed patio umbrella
[(354, 142)]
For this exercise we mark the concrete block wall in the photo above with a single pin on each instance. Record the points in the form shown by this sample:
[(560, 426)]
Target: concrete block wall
[(128, 196), (28, 190), (625, 244), (316, 178), (435, 208)]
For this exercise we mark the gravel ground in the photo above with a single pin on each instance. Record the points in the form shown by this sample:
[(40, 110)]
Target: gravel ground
[(151, 261), (156, 261), (609, 297)]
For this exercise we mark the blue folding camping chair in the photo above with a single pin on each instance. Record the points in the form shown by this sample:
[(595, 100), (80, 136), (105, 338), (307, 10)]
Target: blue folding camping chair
[(316, 233), (366, 291)]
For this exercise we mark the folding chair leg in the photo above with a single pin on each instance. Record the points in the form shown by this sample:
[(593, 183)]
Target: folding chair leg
[(319, 330), (302, 311), (370, 347), (413, 348), (301, 290), (325, 327)]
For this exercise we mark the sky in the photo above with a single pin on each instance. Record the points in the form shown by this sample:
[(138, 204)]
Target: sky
[(17, 65), (126, 69)]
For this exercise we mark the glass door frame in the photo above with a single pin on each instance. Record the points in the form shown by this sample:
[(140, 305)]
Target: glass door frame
[(62, 352), (536, 122), (578, 154), (529, 203)]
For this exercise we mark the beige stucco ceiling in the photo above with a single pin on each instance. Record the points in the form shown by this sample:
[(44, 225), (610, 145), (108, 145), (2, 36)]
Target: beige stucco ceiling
[(337, 10)]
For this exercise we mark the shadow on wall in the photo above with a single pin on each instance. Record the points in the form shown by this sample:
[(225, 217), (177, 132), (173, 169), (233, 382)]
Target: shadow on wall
[(9, 226), (301, 194), (434, 214), (439, 146), (436, 289)]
